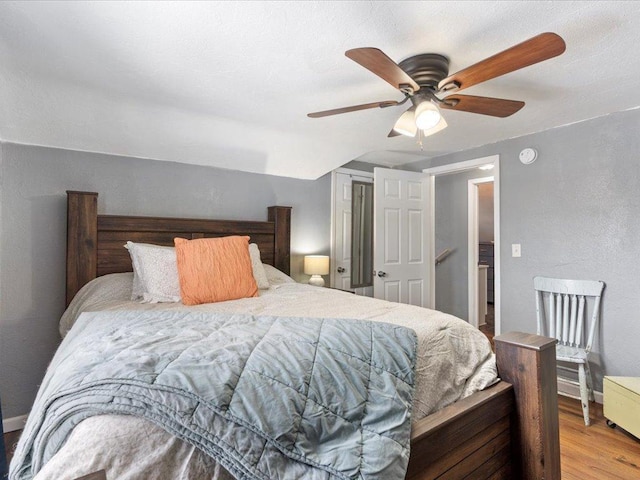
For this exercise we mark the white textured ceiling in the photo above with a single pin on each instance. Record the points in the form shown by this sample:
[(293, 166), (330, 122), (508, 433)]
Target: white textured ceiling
[(229, 84)]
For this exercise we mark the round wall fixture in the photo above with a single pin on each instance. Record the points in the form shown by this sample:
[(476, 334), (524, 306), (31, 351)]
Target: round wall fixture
[(528, 155)]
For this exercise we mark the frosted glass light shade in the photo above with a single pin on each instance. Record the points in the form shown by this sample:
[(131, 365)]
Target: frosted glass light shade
[(427, 115), (441, 125), (406, 124)]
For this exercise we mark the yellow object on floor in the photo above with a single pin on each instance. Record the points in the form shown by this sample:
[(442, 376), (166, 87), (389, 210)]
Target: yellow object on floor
[(621, 402)]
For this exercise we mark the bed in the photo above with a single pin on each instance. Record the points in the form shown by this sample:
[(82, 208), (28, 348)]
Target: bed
[(506, 430)]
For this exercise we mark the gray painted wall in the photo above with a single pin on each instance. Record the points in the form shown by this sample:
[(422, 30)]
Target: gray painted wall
[(451, 231), (576, 212), (33, 229)]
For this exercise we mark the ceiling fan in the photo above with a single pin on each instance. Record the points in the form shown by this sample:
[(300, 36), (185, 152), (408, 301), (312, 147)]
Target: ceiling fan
[(424, 80)]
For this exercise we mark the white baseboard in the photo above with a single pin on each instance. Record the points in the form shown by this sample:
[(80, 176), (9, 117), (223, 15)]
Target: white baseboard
[(14, 423), (571, 389)]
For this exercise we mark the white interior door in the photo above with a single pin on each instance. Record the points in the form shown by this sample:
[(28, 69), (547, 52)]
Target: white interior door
[(402, 252), (341, 264), (341, 248)]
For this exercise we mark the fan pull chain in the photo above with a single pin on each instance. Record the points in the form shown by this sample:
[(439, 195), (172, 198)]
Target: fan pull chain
[(419, 142)]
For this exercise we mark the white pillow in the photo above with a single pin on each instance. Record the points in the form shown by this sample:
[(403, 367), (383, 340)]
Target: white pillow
[(259, 274), (275, 276), (155, 273)]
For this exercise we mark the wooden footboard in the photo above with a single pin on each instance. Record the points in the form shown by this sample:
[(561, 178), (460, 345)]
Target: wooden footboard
[(507, 431), (470, 436)]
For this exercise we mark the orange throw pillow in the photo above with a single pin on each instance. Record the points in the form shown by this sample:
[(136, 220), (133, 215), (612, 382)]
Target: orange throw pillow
[(214, 269)]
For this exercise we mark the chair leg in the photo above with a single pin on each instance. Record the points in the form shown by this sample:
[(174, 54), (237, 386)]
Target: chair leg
[(592, 396), (584, 393)]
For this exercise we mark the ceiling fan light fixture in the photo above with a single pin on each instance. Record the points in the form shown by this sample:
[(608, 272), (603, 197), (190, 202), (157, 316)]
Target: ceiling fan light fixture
[(427, 115), (441, 125), (406, 124)]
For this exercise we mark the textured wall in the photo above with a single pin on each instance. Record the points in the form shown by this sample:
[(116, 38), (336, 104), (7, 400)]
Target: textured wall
[(575, 212), (33, 229)]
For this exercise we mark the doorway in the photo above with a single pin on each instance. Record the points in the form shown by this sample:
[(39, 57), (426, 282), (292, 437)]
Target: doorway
[(481, 242), (461, 262)]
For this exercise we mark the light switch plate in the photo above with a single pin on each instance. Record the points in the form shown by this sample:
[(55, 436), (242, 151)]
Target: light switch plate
[(515, 250)]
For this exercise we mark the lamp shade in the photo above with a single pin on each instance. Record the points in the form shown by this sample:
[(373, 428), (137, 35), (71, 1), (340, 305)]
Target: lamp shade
[(316, 265), (427, 115), (441, 125), (406, 124)]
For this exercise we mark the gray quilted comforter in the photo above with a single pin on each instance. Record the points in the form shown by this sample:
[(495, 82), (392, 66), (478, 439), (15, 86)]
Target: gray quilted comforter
[(267, 397)]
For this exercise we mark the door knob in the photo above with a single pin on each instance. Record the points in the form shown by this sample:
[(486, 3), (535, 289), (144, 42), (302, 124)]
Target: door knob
[(382, 274), (341, 270)]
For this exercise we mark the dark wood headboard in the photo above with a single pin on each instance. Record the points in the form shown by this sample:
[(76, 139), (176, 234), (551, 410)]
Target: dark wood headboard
[(95, 243)]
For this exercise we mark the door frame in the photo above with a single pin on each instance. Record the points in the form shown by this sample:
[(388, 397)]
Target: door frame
[(461, 167)]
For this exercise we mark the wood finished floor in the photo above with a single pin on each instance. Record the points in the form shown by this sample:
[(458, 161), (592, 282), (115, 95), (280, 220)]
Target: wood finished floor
[(596, 452), (488, 327)]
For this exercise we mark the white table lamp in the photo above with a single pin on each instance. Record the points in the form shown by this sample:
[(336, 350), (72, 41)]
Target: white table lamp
[(316, 265)]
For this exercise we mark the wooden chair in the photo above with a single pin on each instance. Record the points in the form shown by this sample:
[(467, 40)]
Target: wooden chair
[(561, 310)]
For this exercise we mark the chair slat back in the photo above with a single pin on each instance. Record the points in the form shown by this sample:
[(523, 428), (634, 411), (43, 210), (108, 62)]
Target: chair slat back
[(567, 303)]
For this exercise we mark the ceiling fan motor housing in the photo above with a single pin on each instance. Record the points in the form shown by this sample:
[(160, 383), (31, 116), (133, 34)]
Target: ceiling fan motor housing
[(426, 69)]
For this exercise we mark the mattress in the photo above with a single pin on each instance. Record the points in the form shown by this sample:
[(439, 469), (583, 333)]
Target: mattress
[(454, 361)]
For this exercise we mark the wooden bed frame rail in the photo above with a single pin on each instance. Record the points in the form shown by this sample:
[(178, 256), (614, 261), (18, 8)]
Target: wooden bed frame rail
[(508, 431)]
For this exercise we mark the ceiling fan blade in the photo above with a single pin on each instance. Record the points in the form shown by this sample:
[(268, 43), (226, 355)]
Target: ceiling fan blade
[(393, 133), (354, 108), (496, 107), (376, 61), (536, 49)]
